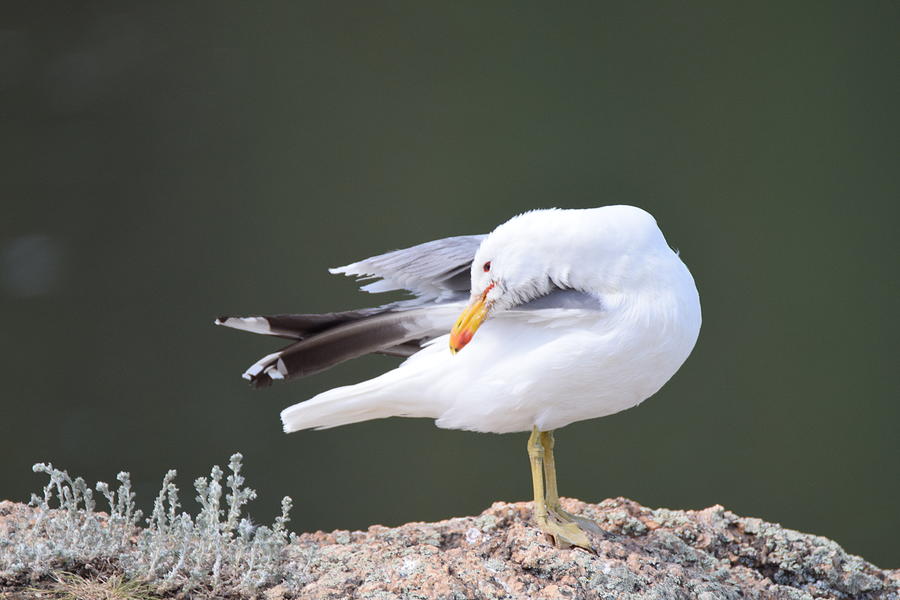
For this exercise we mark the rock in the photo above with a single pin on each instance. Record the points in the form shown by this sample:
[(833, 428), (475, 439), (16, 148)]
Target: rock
[(661, 554), (643, 553)]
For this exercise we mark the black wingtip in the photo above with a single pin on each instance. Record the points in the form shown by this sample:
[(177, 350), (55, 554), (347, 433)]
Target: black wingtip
[(260, 381)]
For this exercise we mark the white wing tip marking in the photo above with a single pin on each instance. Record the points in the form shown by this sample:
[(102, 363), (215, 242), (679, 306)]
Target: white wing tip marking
[(251, 324), (262, 364)]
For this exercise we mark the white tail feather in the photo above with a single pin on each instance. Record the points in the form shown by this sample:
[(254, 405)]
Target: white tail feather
[(397, 393), (340, 406)]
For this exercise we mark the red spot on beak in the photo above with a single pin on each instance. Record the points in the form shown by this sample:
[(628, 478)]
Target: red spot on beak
[(469, 321)]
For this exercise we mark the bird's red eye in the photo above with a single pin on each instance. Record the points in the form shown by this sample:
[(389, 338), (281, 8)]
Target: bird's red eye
[(487, 266)]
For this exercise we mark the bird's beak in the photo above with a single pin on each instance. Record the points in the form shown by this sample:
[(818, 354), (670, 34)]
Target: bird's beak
[(469, 322)]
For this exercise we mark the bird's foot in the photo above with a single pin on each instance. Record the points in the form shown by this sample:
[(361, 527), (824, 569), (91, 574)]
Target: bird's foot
[(567, 529)]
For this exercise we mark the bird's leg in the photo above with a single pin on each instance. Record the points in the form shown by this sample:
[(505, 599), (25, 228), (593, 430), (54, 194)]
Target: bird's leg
[(556, 522), (552, 495), (536, 456)]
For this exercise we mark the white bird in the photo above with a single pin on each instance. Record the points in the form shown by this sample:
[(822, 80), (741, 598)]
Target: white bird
[(579, 314)]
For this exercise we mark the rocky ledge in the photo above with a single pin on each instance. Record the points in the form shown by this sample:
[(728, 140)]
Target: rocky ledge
[(643, 553)]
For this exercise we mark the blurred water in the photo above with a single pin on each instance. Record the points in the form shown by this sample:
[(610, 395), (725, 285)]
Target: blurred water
[(164, 164)]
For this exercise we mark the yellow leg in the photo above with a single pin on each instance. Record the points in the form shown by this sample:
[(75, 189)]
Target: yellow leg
[(536, 456), (552, 495), (548, 515)]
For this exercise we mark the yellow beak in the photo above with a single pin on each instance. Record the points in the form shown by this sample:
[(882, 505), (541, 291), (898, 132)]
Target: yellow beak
[(469, 322)]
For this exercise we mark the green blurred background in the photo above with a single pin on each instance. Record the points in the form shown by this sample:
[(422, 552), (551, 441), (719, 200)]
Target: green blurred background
[(165, 163)]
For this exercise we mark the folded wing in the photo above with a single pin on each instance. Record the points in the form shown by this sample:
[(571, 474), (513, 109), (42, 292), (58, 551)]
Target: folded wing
[(432, 271)]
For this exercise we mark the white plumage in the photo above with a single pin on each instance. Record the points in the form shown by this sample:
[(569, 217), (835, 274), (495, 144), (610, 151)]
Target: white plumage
[(590, 313)]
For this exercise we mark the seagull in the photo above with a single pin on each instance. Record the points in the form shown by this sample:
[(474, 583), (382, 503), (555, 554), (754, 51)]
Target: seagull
[(556, 316)]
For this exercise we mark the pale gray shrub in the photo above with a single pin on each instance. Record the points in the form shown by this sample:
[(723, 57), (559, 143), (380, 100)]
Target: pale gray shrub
[(216, 552)]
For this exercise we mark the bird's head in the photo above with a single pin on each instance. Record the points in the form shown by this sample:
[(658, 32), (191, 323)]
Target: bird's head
[(537, 252)]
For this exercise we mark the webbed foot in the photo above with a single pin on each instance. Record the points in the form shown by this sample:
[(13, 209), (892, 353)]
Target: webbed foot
[(566, 530)]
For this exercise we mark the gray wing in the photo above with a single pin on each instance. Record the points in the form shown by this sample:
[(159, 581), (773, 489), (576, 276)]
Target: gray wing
[(564, 299), (340, 337), (436, 270)]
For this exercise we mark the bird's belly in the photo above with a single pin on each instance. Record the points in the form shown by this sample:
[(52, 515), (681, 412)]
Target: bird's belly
[(562, 378)]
